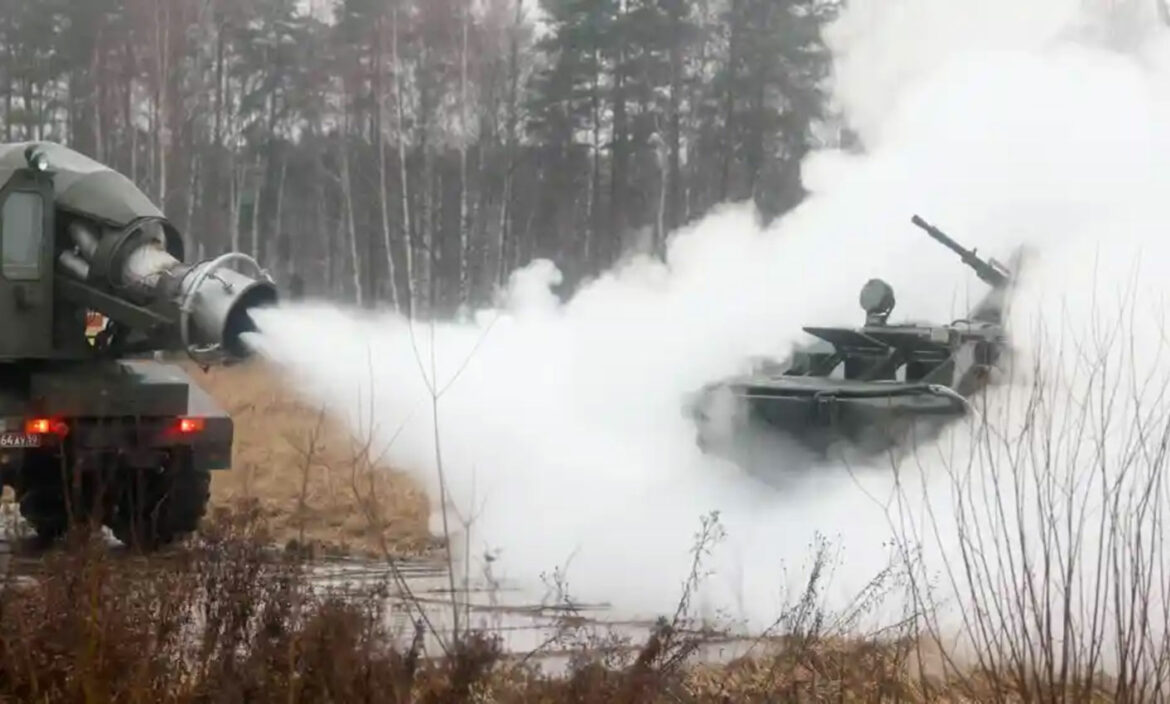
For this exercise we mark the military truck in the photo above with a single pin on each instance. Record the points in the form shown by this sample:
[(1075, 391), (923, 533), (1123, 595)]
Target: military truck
[(93, 292), (861, 390)]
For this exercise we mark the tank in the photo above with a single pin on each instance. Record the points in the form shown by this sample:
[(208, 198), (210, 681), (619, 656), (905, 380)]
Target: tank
[(94, 295), (858, 392)]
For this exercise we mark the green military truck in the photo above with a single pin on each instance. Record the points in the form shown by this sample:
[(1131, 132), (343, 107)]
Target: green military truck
[(93, 427)]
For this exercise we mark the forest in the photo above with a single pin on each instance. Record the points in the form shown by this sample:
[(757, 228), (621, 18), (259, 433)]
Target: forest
[(412, 153)]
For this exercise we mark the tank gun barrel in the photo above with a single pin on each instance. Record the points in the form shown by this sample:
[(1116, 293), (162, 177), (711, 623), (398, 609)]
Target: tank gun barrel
[(991, 272)]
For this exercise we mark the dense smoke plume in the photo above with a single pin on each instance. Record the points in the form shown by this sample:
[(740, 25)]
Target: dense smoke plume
[(1041, 124)]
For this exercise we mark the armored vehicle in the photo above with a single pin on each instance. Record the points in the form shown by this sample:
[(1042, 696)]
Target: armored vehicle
[(864, 389), (93, 292)]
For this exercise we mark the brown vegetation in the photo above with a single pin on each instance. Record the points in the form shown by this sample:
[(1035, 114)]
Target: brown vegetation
[(304, 472), (229, 619)]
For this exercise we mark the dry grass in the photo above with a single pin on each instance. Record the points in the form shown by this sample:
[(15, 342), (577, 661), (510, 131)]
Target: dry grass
[(229, 621), (298, 466)]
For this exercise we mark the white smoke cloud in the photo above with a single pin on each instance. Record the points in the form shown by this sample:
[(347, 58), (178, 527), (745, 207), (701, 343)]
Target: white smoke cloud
[(1004, 123)]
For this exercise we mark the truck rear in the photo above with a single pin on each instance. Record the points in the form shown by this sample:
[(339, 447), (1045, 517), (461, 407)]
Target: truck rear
[(93, 427)]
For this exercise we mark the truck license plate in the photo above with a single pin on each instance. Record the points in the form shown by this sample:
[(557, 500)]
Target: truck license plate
[(9, 440)]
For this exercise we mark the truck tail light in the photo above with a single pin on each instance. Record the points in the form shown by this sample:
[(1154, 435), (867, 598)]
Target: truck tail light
[(189, 426), (46, 426)]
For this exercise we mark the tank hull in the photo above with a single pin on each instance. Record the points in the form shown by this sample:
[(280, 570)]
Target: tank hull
[(814, 422)]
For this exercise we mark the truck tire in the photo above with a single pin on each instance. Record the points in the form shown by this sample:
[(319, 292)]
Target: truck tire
[(47, 499), (42, 505), (156, 508)]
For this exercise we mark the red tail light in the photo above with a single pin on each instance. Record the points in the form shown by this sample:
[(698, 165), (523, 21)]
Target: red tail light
[(46, 426), (188, 426)]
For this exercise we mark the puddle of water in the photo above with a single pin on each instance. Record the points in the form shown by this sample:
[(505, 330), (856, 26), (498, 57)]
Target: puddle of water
[(526, 625), (422, 589)]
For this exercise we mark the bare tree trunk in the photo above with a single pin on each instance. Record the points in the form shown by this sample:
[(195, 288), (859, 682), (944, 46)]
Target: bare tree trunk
[(152, 143), (427, 268), (162, 69), (503, 238), (338, 258), (220, 89), (257, 191), (481, 227), (322, 222), (192, 189), (35, 98), (9, 84), (432, 181), (380, 96), (503, 242), (617, 199), (282, 243), (435, 238), (407, 233), (594, 167), (128, 106), (729, 100), (96, 71), (464, 282), (672, 189), (664, 177), (239, 177), (347, 193), (700, 132)]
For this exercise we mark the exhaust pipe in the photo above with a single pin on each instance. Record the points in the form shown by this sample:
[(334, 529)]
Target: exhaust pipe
[(215, 305), (209, 302)]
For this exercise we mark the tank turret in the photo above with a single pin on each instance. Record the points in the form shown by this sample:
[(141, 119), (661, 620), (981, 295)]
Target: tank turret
[(865, 388)]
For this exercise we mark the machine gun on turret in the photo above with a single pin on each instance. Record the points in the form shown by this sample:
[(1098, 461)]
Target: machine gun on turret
[(990, 272)]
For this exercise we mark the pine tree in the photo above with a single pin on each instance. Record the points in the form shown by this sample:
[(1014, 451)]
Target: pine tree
[(568, 112), (414, 152), (772, 89)]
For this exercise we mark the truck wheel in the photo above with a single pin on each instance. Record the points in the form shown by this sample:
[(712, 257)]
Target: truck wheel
[(156, 508), (43, 506), (47, 499)]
